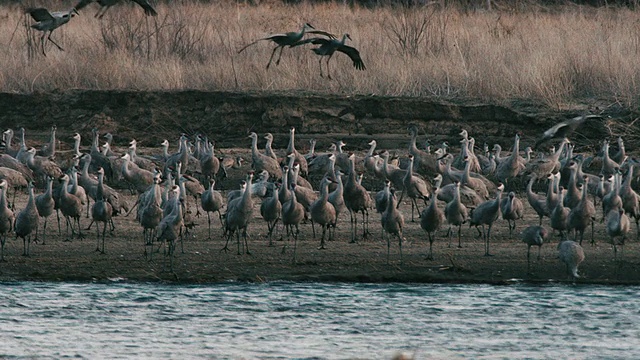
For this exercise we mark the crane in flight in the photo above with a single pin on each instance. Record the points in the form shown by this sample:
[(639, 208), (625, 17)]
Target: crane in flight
[(288, 39), (106, 4), (47, 22), (328, 47)]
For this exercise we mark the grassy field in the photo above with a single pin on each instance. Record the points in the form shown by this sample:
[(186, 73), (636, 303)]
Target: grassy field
[(555, 56)]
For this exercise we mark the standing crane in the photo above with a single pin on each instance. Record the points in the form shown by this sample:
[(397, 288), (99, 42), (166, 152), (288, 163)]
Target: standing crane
[(49, 21), (106, 4), (328, 47), (289, 39)]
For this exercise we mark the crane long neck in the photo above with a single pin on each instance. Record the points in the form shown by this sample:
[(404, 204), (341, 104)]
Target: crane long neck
[(291, 147)]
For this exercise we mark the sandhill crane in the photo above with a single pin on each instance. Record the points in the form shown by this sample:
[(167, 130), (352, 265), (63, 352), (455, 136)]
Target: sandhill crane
[(27, 221), (268, 150), (564, 128), (292, 215), (71, 207), (6, 218), (446, 193), (356, 199), (101, 211), (608, 165), (537, 202), (150, 213), (430, 221), (512, 209), (106, 4), (209, 163), (139, 178), (287, 39), (15, 180), (7, 138), (456, 214), (630, 199), (41, 166), (211, 201), (415, 187), (329, 46), (261, 162), (617, 228), (621, 154), (425, 163), (170, 227), (559, 217), (370, 161), (322, 211), (511, 165), (548, 165), (392, 223), (486, 214), (13, 163), (49, 149), (612, 201), (46, 206), (47, 22), (583, 214), (238, 216), (573, 195), (271, 210), (336, 197), (571, 254), (299, 158), (534, 235)]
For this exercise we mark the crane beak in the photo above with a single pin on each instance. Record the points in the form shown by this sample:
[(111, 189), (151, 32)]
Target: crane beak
[(74, 11)]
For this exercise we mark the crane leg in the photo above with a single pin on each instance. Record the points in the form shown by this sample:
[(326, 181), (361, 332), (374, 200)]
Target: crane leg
[(42, 43), (280, 55), (328, 72), (271, 58), (54, 43), (320, 63)]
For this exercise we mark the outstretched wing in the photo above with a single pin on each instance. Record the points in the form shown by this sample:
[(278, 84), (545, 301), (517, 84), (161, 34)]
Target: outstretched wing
[(354, 54), (148, 9), (320, 32), (83, 3), (40, 14), (270, 37)]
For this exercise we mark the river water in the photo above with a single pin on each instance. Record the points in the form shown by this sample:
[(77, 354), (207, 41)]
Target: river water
[(317, 321)]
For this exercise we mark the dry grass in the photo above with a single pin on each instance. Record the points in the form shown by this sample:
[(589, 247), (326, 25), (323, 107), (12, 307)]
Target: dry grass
[(557, 57)]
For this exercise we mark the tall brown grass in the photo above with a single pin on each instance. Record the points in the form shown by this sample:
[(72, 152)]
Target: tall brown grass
[(557, 57)]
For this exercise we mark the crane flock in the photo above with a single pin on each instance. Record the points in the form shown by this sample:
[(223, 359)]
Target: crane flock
[(287, 197)]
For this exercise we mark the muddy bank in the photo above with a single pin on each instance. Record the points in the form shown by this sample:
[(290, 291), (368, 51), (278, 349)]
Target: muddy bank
[(227, 117)]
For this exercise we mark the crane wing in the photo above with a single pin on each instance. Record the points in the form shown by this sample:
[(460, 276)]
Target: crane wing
[(40, 14), (354, 54), (324, 33), (148, 9)]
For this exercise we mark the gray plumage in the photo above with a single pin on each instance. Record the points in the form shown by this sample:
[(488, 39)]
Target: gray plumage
[(582, 215), (456, 214), (261, 162), (559, 217), (6, 218), (322, 211), (211, 201), (486, 214), (534, 236), (47, 22), (392, 223), (564, 128), (329, 46), (617, 226), (46, 206), (356, 199), (101, 211), (537, 202), (27, 222), (415, 187), (271, 210), (571, 254), (239, 214), (512, 209), (170, 228), (431, 220), (292, 215), (139, 179), (71, 207)]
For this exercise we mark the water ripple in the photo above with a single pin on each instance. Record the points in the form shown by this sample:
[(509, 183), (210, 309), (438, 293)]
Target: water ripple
[(317, 321)]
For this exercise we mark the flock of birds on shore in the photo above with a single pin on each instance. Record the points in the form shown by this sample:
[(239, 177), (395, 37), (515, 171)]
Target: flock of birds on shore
[(470, 186), (48, 21)]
